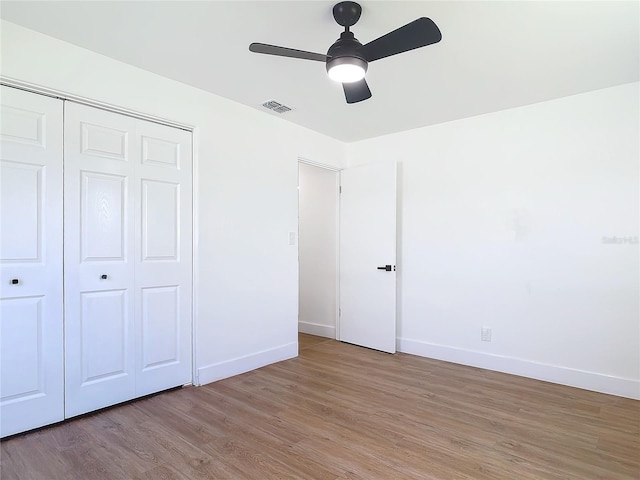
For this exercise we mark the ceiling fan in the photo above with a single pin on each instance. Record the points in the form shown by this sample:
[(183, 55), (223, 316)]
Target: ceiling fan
[(347, 59)]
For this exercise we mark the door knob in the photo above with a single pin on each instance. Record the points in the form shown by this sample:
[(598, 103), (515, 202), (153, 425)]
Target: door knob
[(103, 277), (387, 268), (15, 281)]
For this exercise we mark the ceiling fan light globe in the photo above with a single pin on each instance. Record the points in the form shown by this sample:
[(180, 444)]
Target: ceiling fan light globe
[(346, 69), (346, 73)]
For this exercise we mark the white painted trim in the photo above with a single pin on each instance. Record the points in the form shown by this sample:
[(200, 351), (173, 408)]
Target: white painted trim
[(50, 92), (339, 300), (623, 387), (236, 366), (318, 164), (338, 211), (398, 259), (195, 253), (317, 329)]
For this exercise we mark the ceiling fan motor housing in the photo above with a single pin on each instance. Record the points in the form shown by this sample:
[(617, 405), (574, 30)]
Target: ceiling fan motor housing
[(347, 14), (346, 50)]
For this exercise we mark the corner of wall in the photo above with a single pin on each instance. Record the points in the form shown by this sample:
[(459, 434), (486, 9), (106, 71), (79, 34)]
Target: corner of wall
[(236, 366)]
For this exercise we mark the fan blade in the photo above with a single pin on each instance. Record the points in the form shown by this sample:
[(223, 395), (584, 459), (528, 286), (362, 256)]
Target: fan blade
[(419, 33), (286, 52), (356, 91)]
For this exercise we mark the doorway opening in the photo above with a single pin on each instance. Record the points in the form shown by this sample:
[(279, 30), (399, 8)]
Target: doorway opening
[(318, 247)]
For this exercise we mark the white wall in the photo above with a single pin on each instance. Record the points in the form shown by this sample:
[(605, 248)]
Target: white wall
[(247, 196), (502, 224), (318, 224)]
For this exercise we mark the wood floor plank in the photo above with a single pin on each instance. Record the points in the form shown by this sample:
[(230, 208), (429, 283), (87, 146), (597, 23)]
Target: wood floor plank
[(191, 461), (343, 412)]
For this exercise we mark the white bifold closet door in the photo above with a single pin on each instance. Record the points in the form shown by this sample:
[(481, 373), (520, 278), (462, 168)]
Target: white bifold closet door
[(128, 258), (31, 321)]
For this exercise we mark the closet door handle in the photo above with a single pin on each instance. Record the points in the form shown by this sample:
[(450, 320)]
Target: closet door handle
[(103, 276), (15, 281)]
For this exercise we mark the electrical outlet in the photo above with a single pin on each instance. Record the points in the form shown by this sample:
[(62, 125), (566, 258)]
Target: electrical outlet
[(485, 335)]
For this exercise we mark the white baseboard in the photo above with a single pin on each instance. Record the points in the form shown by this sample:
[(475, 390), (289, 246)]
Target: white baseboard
[(317, 329), (236, 366), (622, 387)]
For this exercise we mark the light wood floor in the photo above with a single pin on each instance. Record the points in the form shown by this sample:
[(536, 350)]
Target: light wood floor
[(344, 412)]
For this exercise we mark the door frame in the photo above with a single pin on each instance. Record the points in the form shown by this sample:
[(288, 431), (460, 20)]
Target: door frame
[(336, 170), (66, 96)]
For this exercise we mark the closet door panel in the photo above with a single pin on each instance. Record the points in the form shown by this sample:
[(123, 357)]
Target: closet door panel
[(21, 341), (22, 190), (100, 156), (160, 221), (164, 262), (160, 327), (31, 321), (103, 216), (103, 322)]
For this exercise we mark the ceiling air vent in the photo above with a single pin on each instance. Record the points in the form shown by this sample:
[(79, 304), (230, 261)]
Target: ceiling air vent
[(276, 107)]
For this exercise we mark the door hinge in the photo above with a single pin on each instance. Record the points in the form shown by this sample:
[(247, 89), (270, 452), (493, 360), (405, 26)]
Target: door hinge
[(340, 189)]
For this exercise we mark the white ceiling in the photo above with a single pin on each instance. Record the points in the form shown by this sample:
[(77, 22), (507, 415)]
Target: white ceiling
[(493, 55)]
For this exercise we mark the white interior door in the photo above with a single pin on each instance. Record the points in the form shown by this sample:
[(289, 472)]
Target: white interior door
[(100, 151), (368, 256), (31, 322), (128, 260), (163, 258)]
